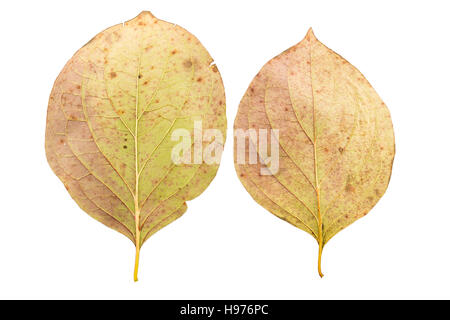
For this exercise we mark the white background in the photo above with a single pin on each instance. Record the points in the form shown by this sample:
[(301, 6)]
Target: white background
[(226, 245)]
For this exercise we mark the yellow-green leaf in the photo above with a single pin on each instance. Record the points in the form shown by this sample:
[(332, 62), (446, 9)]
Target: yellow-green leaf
[(111, 115), (336, 141)]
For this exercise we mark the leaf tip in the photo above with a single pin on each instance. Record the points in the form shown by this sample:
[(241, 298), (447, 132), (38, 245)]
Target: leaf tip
[(145, 13), (310, 35), (142, 18)]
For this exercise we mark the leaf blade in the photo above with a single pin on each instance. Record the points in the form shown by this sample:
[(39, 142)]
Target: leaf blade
[(335, 137), (112, 112)]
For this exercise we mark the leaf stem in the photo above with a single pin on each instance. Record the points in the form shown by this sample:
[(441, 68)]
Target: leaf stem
[(136, 263), (320, 240), (137, 241), (319, 262)]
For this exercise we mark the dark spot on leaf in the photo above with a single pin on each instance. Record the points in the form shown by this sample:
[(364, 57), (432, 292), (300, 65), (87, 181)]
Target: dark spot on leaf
[(187, 64), (173, 51), (112, 75), (140, 76), (125, 147), (199, 79), (349, 188), (341, 149)]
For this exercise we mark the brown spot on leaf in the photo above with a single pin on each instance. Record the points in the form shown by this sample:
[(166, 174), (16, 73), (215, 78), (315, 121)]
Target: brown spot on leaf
[(349, 188), (187, 63), (112, 75)]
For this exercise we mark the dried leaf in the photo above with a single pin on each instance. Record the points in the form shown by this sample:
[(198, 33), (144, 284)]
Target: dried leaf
[(111, 115), (336, 141)]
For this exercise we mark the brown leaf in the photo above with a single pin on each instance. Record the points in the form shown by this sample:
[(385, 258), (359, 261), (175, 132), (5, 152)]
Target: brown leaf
[(111, 115), (336, 141)]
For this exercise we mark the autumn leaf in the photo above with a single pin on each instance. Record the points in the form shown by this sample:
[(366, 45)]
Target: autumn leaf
[(335, 140), (111, 115)]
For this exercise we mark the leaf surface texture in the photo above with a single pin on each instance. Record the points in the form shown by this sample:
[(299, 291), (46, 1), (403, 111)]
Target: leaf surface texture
[(336, 140), (112, 112)]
